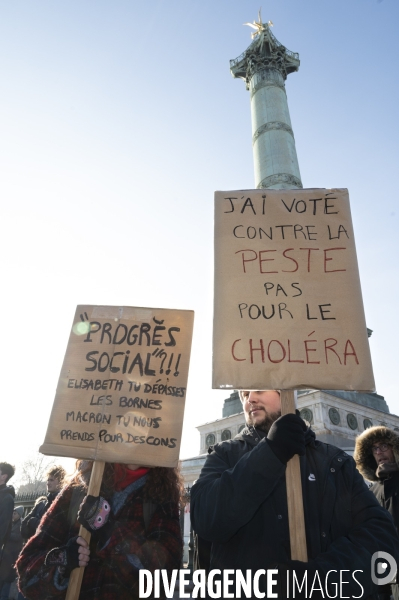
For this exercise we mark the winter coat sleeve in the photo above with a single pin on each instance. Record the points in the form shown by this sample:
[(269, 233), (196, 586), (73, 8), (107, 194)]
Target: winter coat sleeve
[(158, 547), (35, 580), (6, 510), (371, 530), (226, 497)]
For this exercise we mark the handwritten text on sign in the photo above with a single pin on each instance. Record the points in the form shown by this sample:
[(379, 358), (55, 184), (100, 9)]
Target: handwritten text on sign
[(122, 388), (288, 307)]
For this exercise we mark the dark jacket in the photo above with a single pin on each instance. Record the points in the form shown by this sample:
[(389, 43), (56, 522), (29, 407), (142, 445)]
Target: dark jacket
[(385, 490), (31, 522), (113, 569), (7, 495), (12, 548), (240, 504)]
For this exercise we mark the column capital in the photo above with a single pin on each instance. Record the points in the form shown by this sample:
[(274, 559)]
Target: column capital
[(265, 52)]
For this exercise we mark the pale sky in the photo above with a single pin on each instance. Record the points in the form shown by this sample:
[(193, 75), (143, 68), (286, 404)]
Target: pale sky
[(118, 122)]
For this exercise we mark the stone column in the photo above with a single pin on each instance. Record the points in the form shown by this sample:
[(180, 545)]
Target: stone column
[(275, 159), (264, 66)]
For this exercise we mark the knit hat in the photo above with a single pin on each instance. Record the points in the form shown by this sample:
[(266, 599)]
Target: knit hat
[(20, 510)]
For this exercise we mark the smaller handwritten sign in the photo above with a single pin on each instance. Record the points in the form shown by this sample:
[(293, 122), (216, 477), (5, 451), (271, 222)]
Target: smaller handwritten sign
[(122, 387), (288, 310)]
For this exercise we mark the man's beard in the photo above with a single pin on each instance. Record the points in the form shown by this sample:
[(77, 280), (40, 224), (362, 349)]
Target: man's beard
[(265, 423)]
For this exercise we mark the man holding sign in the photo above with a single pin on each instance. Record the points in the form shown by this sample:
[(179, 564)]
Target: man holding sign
[(239, 504), (288, 315)]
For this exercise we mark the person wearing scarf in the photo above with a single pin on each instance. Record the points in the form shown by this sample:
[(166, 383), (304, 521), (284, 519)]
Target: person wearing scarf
[(134, 524)]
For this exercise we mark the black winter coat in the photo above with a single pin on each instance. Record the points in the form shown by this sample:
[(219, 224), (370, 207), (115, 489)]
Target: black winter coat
[(11, 550), (7, 495), (239, 503), (31, 522)]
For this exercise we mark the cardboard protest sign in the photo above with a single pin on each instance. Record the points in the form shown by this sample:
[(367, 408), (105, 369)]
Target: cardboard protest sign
[(288, 311), (122, 387)]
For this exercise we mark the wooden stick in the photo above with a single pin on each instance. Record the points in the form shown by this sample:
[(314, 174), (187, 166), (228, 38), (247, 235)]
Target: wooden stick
[(75, 580), (296, 516)]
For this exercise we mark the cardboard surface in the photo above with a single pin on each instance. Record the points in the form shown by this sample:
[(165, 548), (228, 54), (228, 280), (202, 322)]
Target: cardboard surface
[(122, 387), (288, 310)]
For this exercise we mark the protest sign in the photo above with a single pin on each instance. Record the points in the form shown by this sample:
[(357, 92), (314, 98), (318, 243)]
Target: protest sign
[(122, 387), (288, 311)]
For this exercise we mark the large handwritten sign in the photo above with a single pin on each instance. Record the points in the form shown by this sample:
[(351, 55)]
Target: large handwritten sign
[(288, 308), (122, 388)]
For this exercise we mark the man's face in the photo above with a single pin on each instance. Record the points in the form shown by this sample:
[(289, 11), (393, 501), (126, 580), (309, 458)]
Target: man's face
[(3, 478), (261, 408), (15, 516), (383, 453), (53, 484)]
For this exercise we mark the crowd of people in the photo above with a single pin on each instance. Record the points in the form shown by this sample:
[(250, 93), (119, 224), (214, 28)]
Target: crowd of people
[(239, 512), (15, 528)]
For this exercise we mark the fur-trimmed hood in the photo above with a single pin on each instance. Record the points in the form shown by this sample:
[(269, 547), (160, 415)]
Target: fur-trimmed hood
[(363, 455)]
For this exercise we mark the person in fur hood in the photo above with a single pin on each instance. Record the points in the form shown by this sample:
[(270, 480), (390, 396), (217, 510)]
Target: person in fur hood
[(377, 459)]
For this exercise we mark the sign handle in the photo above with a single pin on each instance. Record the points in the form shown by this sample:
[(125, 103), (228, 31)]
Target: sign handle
[(296, 516), (75, 580)]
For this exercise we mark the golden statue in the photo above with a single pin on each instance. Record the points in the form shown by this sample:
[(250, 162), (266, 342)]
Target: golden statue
[(259, 26)]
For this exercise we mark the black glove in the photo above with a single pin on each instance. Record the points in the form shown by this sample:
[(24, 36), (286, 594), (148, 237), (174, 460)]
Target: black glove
[(287, 437), (65, 558)]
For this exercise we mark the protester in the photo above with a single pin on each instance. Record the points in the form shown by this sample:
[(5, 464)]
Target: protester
[(134, 524), (377, 458), (7, 495), (239, 503), (11, 549), (55, 480)]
